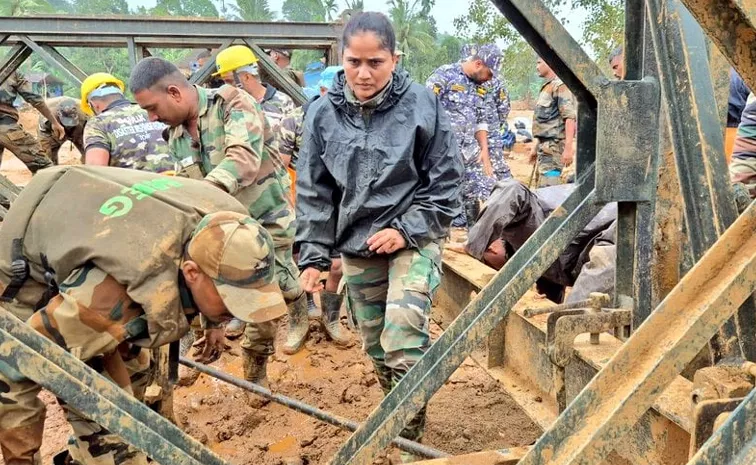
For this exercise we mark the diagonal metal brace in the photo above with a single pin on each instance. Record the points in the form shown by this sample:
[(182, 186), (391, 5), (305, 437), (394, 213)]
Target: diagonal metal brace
[(25, 352), (609, 406), (17, 55), (72, 73)]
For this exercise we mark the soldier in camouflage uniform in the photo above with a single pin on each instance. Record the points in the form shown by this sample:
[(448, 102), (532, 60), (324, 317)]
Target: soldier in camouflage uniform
[(458, 88), (384, 198), (553, 127), (497, 110), (116, 294), (66, 110), (743, 165), (237, 66), (282, 58), (120, 134), (290, 138), (230, 145), (12, 135)]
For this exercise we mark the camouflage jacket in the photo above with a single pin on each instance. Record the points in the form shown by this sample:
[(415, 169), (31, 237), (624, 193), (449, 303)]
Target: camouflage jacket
[(238, 151), (554, 105), (275, 105), (45, 128), (496, 100), (290, 135), (133, 225), (131, 139), (17, 85), (463, 103)]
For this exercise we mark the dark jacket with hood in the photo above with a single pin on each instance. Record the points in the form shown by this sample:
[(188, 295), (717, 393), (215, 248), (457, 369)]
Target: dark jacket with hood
[(388, 163)]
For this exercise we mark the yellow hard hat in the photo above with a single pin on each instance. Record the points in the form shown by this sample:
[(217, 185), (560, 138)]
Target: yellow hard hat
[(233, 58), (95, 81)]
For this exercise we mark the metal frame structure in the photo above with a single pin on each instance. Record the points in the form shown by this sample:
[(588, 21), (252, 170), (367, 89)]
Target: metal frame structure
[(667, 103), (41, 35)]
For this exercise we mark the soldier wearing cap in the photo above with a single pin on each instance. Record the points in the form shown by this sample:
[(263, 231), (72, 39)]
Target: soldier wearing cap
[(553, 127), (147, 254), (222, 136), (458, 87), (12, 135), (282, 58), (119, 133), (68, 113)]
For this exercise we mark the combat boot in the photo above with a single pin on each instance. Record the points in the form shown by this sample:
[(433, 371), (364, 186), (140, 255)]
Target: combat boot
[(255, 367), (234, 328), (313, 312), (299, 325), (330, 303)]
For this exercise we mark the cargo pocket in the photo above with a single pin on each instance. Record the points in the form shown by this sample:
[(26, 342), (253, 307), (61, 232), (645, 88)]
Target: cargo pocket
[(424, 272), (16, 135)]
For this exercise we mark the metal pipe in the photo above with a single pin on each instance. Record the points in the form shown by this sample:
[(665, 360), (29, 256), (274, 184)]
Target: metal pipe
[(301, 407)]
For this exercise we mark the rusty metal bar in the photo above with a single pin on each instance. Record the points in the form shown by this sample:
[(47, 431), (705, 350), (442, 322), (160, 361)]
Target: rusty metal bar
[(131, 26), (667, 341), (730, 25), (483, 314), (735, 442), (133, 57), (101, 41), (301, 407), (72, 73), (490, 457), (25, 352), (204, 73), (17, 55), (698, 145)]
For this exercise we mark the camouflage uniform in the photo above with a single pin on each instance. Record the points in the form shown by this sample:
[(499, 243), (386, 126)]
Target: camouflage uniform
[(743, 165), (276, 105), (69, 114), (390, 297), (131, 139), (12, 135), (497, 110), (460, 97), (554, 105), (111, 282), (238, 151), (290, 135)]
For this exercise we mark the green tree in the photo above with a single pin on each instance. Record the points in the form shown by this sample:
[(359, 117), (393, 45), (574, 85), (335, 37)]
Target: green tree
[(304, 10), (358, 5), (202, 8), (24, 7), (250, 10), (415, 34)]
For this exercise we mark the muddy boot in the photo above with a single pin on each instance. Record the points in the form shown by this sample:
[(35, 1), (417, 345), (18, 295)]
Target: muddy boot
[(330, 302), (313, 312), (383, 373), (255, 367), (234, 328), (299, 325), (186, 375)]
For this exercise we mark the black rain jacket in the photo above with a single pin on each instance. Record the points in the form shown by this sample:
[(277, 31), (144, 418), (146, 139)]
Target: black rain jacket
[(362, 170)]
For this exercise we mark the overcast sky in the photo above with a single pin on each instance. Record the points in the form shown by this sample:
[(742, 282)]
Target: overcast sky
[(444, 12)]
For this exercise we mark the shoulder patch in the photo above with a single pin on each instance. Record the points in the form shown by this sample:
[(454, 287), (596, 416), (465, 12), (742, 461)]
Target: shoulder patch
[(481, 91), (502, 94), (436, 89), (458, 88)]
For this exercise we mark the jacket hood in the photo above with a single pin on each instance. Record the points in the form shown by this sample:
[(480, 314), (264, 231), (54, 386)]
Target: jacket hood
[(399, 85)]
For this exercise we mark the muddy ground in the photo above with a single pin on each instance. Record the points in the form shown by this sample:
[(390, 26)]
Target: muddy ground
[(471, 412)]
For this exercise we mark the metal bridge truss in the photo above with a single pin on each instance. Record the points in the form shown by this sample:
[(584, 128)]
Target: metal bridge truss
[(660, 126)]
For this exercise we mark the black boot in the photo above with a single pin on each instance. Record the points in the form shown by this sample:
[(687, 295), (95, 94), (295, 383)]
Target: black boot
[(330, 303)]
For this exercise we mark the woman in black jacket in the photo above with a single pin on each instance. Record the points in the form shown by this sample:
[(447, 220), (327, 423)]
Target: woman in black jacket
[(378, 180)]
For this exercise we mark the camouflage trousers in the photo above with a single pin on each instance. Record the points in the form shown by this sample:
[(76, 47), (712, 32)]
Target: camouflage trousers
[(51, 146), (500, 165), (390, 298), (549, 159), (260, 337), (82, 319), (476, 188), (743, 171), (22, 144)]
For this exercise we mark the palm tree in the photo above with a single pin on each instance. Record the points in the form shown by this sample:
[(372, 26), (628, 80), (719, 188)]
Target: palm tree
[(250, 10), (358, 5), (411, 26)]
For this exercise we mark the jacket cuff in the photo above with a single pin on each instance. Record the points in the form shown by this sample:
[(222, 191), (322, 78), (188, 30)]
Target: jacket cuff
[(313, 255), (396, 223), (225, 179)]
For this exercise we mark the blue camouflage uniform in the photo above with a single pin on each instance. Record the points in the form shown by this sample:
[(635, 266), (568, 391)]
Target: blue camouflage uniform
[(464, 103), (496, 98)]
